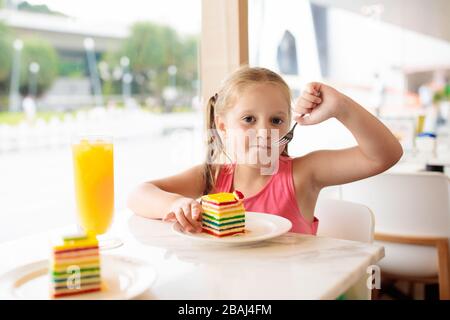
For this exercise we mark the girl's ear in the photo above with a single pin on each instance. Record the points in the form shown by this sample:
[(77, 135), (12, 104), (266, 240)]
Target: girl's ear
[(220, 124)]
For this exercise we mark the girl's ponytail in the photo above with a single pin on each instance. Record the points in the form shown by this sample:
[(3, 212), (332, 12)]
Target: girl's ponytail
[(211, 149)]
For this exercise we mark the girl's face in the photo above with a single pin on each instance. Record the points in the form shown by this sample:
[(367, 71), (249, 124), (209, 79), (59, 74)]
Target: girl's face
[(259, 117)]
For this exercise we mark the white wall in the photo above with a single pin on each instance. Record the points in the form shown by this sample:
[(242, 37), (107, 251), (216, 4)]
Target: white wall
[(358, 46), (429, 17)]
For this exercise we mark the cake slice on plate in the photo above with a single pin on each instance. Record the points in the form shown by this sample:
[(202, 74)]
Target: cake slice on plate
[(75, 266), (223, 214)]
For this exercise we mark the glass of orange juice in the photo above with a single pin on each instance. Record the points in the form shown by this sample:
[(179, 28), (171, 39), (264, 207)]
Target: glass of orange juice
[(93, 160)]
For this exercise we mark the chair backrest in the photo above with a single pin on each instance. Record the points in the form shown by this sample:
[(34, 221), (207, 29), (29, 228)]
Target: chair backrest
[(344, 220), (333, 192), (409, 204)]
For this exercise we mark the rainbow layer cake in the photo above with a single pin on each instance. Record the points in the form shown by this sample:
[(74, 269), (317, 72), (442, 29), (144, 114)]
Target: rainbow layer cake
[(223, 214), (75, 266)]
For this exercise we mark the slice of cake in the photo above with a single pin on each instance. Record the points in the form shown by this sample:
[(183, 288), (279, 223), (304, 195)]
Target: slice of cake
[(75, 266), (223, 214)]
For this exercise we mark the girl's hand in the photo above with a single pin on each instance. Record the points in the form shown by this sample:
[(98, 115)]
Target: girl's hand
[(187, 212), (318, 100)]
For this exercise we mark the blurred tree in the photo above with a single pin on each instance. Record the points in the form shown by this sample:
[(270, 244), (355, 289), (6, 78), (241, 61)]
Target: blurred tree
[(151, 49), (41, 52), (147, 49), (188, 62), (110, 73), (5, 52), (36, 8), (5, 64)]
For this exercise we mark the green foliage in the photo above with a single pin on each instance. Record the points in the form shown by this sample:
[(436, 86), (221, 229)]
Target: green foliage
[(4, 100), (146, 47), (111, 86), (188, 62), (34, 50), (442, 95), (5, 53), (13, 118), (71, 68), (39, 51), (152, 48), (36, 8)]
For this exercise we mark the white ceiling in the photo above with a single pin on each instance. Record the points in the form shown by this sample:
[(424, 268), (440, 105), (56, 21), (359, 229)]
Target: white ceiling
[(430, 17)]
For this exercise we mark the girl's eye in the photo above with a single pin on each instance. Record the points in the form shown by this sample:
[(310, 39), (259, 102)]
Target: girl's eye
[(249, 119), (277, 121)]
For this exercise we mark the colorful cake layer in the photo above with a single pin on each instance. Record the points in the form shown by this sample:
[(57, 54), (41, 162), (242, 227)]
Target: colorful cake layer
[(75, 266), (223, 214)]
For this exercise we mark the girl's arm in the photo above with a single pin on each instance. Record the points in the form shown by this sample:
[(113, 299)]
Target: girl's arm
[(170, 198), (377, 149)]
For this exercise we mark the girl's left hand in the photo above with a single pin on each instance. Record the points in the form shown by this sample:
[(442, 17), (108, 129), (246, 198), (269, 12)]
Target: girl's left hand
[(319, 101)]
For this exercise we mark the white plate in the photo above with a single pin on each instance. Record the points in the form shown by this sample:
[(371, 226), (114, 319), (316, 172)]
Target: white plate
[(258, 227), (123, 278)]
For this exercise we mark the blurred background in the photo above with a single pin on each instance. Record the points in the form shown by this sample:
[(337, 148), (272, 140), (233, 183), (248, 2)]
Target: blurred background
[(130, 69)]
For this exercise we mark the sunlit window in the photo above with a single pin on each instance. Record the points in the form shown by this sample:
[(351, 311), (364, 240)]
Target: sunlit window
[(126, 69)]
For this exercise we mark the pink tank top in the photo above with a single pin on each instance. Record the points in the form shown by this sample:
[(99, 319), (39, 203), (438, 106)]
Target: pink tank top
[(276, 197)]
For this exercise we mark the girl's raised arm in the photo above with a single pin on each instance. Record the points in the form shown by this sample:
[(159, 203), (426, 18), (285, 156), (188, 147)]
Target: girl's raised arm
[(377, 149)]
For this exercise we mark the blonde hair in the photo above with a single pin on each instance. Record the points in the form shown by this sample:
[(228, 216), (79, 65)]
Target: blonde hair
[(222, 101)]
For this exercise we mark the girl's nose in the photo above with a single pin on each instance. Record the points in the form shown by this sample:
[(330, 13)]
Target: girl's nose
[(263, 134)]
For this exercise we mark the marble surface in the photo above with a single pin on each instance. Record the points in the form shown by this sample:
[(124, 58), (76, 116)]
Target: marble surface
[(291, 266), (417, 163), (414, 167)]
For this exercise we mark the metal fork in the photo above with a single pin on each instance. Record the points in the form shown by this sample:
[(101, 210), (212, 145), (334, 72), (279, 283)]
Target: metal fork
[(287, 137), (290, 135)]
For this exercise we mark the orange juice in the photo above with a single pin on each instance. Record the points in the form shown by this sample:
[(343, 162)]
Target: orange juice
[(94, 183)]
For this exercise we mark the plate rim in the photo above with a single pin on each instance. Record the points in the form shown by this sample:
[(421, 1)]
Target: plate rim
[(226, 241), (142, 268)]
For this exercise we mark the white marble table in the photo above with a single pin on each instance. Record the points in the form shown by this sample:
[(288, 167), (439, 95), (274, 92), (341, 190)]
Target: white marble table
[(292, 266), (417, 163), (415, 167)]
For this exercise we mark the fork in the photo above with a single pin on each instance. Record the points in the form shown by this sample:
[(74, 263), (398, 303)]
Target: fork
[(290, 135), (287, 137)]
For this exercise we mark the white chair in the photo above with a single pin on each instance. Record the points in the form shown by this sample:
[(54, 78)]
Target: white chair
[(413, 224), (348, 221), (344, 220), (333, 192)]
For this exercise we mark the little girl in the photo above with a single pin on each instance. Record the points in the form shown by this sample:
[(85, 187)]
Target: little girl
[(258, 100)]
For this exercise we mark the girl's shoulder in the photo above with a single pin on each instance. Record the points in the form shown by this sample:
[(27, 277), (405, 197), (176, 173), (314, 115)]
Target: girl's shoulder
[(303, 169)]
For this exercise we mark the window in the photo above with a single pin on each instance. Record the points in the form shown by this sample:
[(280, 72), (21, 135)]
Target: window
[(65, 69)]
